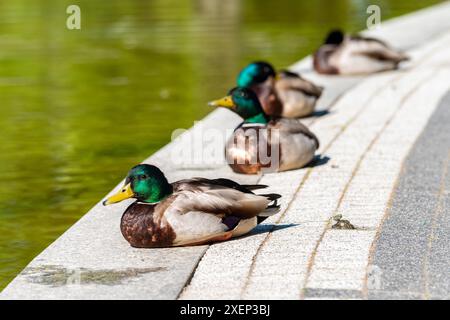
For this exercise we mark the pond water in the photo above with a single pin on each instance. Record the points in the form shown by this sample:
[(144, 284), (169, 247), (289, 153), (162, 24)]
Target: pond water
[(79, 108)]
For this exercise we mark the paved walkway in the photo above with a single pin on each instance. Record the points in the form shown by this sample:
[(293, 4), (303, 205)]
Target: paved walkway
[(412, 252), (367, 128)]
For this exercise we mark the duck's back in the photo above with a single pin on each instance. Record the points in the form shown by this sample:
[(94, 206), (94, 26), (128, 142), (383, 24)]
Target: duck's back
[(297, 143), (205, 210), (298, 96), (282, 144), (358, 55)]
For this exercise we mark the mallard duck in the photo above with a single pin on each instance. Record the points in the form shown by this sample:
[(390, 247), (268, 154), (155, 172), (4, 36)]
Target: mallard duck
[(188, 212), (354, 54), (262, 142), (284, 94)]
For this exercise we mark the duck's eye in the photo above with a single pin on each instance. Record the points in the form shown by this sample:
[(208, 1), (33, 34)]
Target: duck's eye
[(143, 177)]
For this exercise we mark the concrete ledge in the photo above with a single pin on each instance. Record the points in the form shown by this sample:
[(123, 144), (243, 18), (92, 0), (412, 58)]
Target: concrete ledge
[(293, 251)]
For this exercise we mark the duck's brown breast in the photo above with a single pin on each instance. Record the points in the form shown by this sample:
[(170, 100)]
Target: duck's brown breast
[(143, 229), (321, 60), (268, 98)]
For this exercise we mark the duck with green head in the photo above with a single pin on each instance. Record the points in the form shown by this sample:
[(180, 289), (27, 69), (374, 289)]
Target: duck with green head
[(262, 142), (354, 54), (187, 212), (284, 93)]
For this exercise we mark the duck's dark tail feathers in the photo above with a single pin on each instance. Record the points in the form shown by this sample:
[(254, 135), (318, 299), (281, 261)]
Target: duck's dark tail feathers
[(260, 219), (254, 186), (271, 196), (272, 208), (270, 211)]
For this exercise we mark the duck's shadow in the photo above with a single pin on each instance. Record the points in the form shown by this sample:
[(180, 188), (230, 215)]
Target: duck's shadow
[(320, 113), (265, 228), (318, 161), (270, 227)]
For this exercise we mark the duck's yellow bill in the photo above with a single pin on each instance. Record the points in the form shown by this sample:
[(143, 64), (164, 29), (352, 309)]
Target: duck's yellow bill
[(123, 194), (226, 102)]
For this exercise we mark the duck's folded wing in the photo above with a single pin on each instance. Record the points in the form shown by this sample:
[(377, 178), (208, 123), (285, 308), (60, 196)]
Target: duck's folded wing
[(377, 50), (294, 126), (300, 84), (246, 188), (218, 200), (386, 54)]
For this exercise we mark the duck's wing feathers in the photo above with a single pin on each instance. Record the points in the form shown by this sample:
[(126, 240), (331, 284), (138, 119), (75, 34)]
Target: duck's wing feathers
[(203, 210), (375, 49), (294, 126), (292, 81), (219, 197), (246, 188)]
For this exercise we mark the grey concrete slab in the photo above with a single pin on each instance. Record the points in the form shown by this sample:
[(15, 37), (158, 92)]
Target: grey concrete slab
[(394, 295), (413, 251), (311, 293)]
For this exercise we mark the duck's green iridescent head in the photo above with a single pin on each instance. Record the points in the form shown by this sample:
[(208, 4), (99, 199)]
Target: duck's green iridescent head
[(245, 103), (145, 183), (255, 73)]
